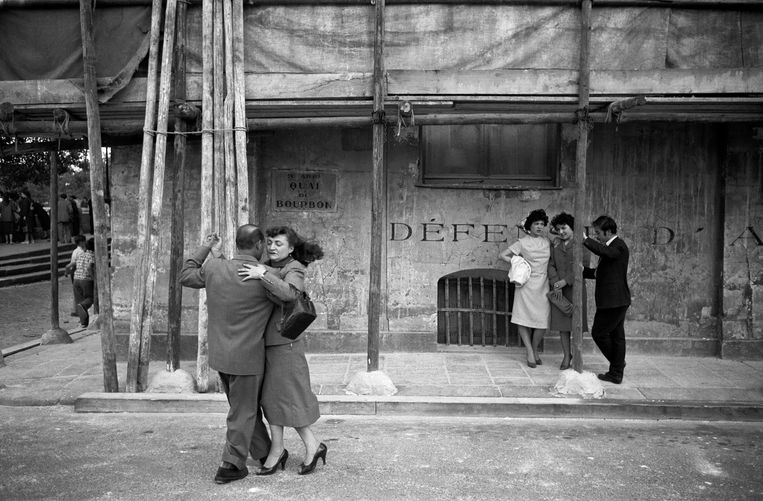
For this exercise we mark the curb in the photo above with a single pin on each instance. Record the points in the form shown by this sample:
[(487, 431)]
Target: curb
[(76, 333), (441, 406)]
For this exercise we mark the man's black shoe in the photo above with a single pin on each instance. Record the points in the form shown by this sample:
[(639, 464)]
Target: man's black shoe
[(229, 473), (610, 378)]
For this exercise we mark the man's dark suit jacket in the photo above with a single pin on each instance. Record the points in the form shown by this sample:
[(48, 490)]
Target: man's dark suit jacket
[(238, 312), (611, 274)]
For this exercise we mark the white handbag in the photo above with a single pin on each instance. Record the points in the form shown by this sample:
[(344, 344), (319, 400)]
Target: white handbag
[(520, 271)]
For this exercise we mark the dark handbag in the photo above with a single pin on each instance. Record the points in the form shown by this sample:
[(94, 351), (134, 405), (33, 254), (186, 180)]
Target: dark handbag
[(297, 315), (563, 304)]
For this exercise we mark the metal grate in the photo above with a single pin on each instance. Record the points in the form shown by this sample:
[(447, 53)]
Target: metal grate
[(474, 308)]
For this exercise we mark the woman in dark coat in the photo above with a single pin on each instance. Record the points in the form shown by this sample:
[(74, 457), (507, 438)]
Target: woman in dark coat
[(287, 397), (561, 275)]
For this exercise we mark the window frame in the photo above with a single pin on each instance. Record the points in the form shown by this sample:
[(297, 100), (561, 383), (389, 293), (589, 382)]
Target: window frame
[(515, 182)]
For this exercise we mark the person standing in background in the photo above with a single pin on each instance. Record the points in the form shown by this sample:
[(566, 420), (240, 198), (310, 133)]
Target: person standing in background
[(27, 216), (7, 218), (75, 215), (64, 219)]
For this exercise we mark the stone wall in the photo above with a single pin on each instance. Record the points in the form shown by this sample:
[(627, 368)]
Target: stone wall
[(662, 183)]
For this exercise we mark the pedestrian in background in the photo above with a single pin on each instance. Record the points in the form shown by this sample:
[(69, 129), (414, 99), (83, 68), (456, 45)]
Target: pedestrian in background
[(531, 308), (75, 215), (27, 216), (8, 214), (43, 218), (80, 243), (238, 313), (64, 219), (287, 397), (84, 278), (613, 296), (561, 276)]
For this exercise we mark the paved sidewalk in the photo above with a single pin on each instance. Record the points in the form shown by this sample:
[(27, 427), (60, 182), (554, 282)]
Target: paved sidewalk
[(481, 381)]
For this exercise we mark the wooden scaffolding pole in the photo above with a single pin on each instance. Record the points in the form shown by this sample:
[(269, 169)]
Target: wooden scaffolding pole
[(231, 190), (377, 193), (583, 124), (239, 108), (56, 334), (218, 57), (97, 185), (142, 247), (177, 175), (157, 197), (207, 180)]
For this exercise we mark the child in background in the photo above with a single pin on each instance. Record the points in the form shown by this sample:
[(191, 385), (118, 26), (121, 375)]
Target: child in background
[(79, 241), (84, 276)]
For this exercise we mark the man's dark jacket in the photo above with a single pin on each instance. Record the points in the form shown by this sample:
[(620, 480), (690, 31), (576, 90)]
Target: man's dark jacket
[(611, 274), (238, 312)]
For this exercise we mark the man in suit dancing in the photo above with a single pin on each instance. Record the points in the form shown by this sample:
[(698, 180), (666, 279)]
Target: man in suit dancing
[(612, 294), (238, 314)]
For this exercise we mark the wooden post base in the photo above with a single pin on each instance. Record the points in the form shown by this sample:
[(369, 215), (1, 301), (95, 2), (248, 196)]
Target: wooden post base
[(56, 336)]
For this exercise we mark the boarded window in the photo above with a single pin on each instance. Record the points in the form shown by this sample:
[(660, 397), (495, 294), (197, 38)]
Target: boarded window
[(490, 156)]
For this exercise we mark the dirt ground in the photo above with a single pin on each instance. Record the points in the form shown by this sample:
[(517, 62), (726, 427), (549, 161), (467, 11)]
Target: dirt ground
[(25, 311)]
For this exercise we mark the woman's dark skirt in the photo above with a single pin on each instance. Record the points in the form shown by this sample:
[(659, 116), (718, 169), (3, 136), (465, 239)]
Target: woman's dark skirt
[(287, 399)]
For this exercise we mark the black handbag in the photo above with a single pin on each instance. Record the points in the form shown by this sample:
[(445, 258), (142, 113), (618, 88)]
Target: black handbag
[(297, 315), (556, 298)]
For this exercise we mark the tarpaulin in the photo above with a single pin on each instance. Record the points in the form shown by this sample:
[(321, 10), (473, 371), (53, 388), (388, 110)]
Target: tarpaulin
[(326, 39), (46, 44)]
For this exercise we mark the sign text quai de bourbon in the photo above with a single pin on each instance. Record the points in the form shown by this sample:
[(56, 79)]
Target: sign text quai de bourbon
[(304, 190)]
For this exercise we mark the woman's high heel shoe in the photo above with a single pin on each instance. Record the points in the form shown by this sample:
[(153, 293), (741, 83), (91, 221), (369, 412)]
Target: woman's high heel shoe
[(304, 469), (281, 461)]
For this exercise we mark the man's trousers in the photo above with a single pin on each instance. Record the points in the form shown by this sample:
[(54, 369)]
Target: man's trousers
[(246, 433)]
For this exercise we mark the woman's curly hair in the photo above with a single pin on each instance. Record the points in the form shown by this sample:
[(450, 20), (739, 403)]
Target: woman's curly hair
[(536, 215), (563, 218)]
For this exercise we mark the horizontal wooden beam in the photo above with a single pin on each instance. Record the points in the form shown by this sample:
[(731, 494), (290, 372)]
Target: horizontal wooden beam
[(465, 85), (564, 82), (297, 85), (117, 128), (696, 4)]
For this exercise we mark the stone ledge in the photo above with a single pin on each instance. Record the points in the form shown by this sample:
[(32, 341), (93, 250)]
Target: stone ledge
[(442, 406)]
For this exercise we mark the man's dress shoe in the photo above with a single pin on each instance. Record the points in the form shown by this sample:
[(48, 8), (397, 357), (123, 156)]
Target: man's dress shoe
[(610, 378), (229, 473)]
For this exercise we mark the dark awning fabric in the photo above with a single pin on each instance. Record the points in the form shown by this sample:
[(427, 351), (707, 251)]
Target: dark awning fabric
[(46, 44)]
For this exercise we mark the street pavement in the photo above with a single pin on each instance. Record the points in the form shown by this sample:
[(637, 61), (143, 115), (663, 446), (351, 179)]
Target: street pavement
[(54, 453), (468, 382)]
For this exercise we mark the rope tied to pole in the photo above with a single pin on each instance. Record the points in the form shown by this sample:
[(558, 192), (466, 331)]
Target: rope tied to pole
[(405, 112), (616, 109), (583, 115), (192, 132), (61, 123)]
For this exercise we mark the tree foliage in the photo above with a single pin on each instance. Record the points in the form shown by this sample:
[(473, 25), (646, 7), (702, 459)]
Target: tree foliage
[(32, 170)]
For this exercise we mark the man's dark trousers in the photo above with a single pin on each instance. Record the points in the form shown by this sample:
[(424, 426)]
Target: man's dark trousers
[(608, 332), (245, 425)]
